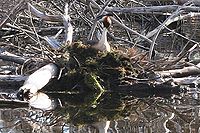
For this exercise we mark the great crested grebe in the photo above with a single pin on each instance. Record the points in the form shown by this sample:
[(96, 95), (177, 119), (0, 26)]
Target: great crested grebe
[(102, 44)]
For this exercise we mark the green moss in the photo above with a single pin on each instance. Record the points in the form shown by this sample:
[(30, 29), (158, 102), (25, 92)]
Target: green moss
[(82, 52), (91, 81)]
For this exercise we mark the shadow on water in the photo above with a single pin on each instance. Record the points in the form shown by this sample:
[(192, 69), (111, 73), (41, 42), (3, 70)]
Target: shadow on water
[(128, 110)]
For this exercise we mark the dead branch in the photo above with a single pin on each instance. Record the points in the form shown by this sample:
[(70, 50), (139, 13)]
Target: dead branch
[(153, 9), (131, 30), (43, 16), (12, 78), (184, 72), (171, 19), (11, 13), (40, 78), (12, 57), (11, 82), (185, 80)]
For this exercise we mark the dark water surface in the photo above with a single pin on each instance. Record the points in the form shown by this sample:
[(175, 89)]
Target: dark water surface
[(119, 112)]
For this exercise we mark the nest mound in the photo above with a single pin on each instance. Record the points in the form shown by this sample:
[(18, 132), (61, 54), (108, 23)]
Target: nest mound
[(106, 69), (89, 69)]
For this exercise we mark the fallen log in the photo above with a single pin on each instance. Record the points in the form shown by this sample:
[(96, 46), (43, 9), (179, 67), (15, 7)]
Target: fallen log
[(153, 9), (11, 82), (185, 80), (184, 72), (12, 57), (38, 80)]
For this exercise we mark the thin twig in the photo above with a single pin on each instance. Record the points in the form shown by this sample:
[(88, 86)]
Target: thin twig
[(11, 13), (90, 36)]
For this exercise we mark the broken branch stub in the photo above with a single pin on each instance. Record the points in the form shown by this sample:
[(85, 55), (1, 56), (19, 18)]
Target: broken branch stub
[(38, 80)]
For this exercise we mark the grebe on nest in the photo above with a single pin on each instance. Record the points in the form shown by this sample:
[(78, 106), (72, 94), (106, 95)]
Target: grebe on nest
[(102, 44)]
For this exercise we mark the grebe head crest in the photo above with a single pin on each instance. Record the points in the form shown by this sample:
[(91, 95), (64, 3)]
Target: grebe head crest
[(106, 19)]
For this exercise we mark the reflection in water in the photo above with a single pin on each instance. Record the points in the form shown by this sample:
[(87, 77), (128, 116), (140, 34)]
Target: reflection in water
[(42, 101), (110, 111)]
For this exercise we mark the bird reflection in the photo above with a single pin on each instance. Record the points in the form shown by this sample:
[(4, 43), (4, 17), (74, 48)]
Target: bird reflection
[(42, 101)]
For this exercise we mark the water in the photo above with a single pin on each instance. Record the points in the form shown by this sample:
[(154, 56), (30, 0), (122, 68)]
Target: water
[(112, 111)]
